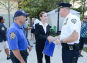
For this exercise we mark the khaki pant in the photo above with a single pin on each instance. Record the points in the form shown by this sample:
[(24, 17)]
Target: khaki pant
[(3, 45)]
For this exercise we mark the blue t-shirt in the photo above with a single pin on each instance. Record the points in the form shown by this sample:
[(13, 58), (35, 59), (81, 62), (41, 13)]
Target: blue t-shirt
[(16, 38)]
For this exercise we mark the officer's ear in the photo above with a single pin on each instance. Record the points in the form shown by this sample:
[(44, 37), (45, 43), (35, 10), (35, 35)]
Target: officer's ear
[(16, 18)]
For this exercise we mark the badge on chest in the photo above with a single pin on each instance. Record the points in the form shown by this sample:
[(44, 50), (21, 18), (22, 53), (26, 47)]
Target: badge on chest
[(66, 21)]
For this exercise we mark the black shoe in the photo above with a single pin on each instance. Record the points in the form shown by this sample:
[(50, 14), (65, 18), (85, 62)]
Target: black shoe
[(8, 57)]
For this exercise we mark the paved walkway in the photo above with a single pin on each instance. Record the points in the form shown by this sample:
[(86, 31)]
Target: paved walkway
[(57, 58), (85, 45)]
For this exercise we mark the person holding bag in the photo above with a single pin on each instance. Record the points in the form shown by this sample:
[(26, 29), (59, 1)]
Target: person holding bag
[(42, 31)]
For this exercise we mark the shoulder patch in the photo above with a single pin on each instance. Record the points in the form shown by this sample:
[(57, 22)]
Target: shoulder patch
[(12, 35), (73, 21)]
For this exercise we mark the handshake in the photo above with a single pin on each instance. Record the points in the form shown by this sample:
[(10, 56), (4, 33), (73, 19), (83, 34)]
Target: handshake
[(56, 39)]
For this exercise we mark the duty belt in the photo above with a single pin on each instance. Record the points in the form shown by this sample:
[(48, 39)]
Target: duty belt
[(70, 47)]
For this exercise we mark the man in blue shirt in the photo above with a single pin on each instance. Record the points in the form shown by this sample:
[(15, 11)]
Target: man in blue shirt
[(16, 38)]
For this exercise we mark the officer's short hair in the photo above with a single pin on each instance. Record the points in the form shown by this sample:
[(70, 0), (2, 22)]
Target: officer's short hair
[(1, 18), (41, 13)]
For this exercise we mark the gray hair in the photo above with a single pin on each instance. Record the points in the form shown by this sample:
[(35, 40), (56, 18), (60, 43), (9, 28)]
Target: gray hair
[(67, 8)]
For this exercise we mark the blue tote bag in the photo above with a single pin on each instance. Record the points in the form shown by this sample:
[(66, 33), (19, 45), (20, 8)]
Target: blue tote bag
[(49, 48)]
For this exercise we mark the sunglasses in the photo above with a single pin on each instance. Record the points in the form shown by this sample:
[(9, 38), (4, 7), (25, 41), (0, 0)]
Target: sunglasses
[(85, 18)]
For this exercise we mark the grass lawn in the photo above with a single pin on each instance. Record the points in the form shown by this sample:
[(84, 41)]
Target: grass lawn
[(85, 49)]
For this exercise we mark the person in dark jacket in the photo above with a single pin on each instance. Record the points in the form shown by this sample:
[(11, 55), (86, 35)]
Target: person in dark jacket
[(3, 39), (42, 31)]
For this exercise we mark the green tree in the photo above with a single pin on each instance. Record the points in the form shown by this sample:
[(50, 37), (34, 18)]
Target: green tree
[(35, 6), (73, 2), (9, 6), (83, 8)]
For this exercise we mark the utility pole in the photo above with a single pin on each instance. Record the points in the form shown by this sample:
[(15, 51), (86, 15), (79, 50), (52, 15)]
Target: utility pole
[(9, 12), (58, 32)]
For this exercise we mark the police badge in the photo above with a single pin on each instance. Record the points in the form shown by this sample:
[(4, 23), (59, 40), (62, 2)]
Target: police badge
[(66, 21)]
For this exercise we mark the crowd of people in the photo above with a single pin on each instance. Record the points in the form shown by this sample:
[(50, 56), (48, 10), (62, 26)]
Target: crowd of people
[(15, 39)]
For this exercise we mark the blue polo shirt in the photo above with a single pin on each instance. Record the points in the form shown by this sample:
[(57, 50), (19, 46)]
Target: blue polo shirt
[(16, 37)]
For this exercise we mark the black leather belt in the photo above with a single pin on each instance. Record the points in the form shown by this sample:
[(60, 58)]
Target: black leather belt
[(23, 52), (70, 47)]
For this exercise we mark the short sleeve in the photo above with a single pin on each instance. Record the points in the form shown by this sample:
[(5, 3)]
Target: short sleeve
[(75, 24), (12, 39)]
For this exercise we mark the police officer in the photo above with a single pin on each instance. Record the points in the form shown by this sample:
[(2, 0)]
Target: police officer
[(16, 38), (3, 41), (70, 34)]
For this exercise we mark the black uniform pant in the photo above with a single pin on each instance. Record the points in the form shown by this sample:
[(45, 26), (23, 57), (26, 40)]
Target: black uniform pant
[(40, 55), (70, 56), (24, 55)]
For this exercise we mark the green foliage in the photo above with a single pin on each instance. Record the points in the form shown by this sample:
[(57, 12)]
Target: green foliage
[(53, 33), (54, 28), (85, 49), (4, 4), (83, 7), (35, 6)]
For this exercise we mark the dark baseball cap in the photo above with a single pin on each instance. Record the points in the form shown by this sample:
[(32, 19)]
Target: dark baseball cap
[(64, 5), (21, 13)]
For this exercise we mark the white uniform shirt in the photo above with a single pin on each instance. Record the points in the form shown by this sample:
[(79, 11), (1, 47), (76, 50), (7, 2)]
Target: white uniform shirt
[(44, 26), (71, 23)]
